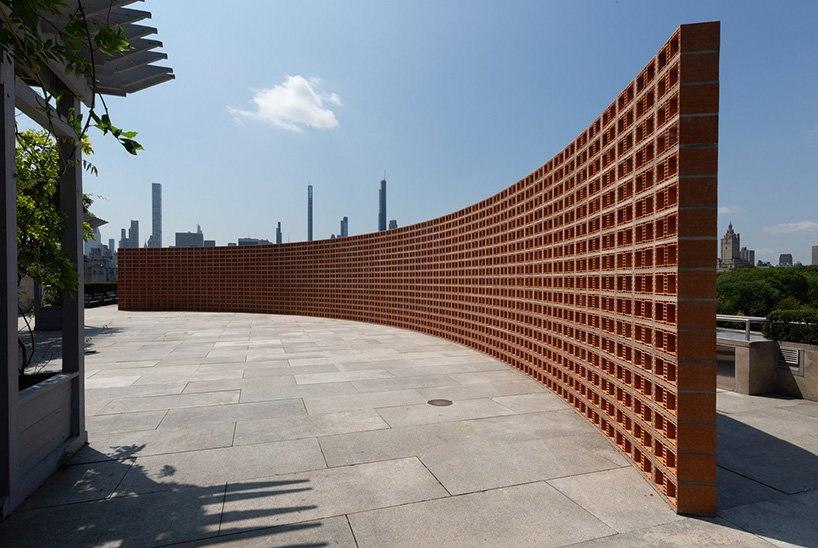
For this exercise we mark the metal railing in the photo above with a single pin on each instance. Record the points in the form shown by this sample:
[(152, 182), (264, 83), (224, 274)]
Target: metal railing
[(746, 320)]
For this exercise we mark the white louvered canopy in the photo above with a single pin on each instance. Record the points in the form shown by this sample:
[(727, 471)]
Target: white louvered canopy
[(128, 72)]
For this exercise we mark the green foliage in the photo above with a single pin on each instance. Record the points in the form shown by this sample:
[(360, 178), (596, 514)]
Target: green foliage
[(761, 291), (792, 325), (39, 222), (30, 33)]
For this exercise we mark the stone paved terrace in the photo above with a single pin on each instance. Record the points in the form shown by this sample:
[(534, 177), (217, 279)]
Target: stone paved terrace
[(277, 430)]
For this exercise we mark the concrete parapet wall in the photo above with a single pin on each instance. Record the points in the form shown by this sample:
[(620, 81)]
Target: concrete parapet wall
[(801, 381), (595, 274)]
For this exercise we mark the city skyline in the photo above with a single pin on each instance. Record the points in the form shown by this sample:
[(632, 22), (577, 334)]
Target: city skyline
[(729, 246), (446, 148)]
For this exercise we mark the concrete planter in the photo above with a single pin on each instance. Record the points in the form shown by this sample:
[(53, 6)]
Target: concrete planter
[(48, 318), (44, 433)]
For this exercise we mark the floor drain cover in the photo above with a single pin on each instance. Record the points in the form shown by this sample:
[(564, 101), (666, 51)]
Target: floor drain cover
[(439, 403)]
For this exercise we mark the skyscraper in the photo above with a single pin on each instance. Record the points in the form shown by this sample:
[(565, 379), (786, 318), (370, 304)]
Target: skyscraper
[(309, 213), (732, 254), (815, 255), (123, 238), (785, 259), (156, 216), (190, 239), (278, 232), (111, 245), (393, 224), (133, 234), (382, 206), (344, 227)]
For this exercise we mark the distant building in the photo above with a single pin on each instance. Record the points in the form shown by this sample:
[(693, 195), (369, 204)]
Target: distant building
[(393, 224), (112, 246), (785, 259), (382, 206), (278, 233), (133, 234), (155, 239), (231, 244), (95, 241), (253, 241), (309, 213), (732, 254), (344, 227), (99, 265), (815, 255), (190, 239), (209, 243), (123, 239), (748, 256)]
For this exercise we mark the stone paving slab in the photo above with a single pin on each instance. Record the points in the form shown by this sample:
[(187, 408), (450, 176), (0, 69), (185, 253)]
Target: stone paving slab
[(219, 466), (483, 389), (342, 376), (410, 415), (326, 532), (80, 483), (242, 384), (155, 442), (295, 427), (402, 383), (737, 490), (527, 515), (330, 492), (103, 381), (620, 498), (180, 418), (158, 389), (683, 533), (532, 403), (480, 466), (125, 422), (147, 520), (370, 400), (151, 403), (784, 522)]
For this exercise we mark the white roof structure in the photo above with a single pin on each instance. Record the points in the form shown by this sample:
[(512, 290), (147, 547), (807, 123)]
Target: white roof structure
[(123, 73)]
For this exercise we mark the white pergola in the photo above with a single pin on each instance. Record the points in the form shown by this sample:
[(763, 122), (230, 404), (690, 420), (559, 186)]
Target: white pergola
[(39, 425)]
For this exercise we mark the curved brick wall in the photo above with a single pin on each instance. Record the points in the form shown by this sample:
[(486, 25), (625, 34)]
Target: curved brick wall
[(595, 274)]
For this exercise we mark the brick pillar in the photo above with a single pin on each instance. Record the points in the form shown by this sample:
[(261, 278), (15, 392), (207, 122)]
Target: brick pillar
[(698, 168)]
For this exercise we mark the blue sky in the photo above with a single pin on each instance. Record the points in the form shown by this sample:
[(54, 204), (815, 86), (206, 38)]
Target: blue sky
[(455, 100)]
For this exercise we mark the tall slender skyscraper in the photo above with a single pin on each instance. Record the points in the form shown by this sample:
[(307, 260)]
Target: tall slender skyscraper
[(111, 246), (278, 232), (309, 213), (382, 206), (123, 238), (344, 227), (133, 234), (156, 216)]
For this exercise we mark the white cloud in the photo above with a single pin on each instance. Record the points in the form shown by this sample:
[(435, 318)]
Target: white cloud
[(294, 104), (790, 228), (731, 210)]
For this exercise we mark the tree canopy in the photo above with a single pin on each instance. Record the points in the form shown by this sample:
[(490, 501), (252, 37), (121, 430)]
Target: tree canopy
[(39, 222), (761, 291)]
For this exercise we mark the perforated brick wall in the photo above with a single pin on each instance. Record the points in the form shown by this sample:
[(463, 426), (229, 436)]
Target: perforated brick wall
[(595, 274)]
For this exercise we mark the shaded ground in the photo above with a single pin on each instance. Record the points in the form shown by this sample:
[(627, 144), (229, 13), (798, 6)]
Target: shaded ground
[(276, 430)]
